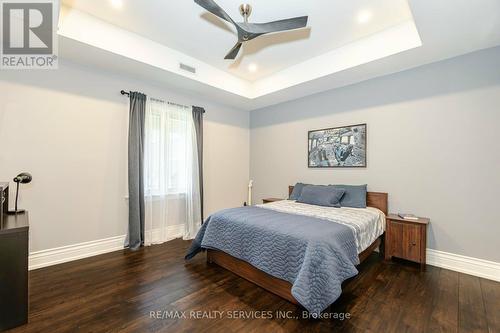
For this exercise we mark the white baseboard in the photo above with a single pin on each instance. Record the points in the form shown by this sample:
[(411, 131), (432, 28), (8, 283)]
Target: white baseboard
[(468, 265), (67, 253)]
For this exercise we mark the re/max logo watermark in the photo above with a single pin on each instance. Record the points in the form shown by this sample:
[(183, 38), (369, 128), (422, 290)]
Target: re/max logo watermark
[(28, 32)]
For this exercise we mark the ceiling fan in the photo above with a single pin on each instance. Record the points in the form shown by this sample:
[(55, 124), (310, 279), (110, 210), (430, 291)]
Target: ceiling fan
[(248, 31)]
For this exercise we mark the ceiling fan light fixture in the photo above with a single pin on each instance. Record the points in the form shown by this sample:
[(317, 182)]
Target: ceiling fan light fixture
[(248, 31)]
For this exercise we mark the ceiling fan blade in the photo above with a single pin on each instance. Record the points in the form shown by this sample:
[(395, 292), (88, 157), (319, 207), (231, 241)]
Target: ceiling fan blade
[(214, 8), (281, 25), (234, 51)]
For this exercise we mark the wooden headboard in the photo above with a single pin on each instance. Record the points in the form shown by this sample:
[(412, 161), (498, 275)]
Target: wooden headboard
[(373, 199)]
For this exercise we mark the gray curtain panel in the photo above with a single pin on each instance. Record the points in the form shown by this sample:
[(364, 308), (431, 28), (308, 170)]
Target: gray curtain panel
[(137, 115), (198, 125)]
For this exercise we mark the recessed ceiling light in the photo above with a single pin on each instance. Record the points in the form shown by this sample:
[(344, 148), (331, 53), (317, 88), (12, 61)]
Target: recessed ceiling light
[(118, 4), (364, 16), (252, 67)]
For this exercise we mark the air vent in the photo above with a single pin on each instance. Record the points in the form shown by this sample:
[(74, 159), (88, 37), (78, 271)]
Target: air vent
[(187, 68)]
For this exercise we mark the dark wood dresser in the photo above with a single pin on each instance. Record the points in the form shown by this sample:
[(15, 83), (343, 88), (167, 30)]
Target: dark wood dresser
[(4, 200), (14, 270)]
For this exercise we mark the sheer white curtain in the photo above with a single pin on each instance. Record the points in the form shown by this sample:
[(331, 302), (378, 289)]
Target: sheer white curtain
[(172, 191)]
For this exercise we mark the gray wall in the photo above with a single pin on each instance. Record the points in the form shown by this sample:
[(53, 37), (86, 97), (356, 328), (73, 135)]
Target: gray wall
[(433, 145), (68, 127)]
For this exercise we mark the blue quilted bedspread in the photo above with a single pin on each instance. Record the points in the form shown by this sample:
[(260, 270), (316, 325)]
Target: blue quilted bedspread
[(314, 255)]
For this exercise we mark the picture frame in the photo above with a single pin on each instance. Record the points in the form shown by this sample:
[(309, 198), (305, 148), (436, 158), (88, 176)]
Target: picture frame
[(338, 147)]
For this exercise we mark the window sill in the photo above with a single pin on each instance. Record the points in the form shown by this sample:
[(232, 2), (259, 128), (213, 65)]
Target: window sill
[(162, 196)]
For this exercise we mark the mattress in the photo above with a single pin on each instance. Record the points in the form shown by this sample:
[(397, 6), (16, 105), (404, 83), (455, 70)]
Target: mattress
[(367, 224), (313, 254)]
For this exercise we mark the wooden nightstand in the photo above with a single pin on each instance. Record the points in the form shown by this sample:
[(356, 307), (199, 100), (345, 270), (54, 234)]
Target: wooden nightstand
[(406, 239), (269, 200)]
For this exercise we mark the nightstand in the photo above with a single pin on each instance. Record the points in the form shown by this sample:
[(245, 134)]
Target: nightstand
[(406, 239), (269, 200)]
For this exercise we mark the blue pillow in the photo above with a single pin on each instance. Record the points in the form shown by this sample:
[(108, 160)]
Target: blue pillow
[(321, 195), (354, 196), (297, 189)]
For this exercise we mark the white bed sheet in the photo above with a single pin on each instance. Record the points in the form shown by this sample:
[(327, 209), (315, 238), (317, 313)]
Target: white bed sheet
[(366, 223)]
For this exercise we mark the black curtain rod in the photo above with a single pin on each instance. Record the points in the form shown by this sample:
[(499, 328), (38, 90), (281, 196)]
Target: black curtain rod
[(123, 92)]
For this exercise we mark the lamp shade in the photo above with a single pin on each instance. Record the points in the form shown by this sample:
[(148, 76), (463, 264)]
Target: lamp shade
[(23, 178)]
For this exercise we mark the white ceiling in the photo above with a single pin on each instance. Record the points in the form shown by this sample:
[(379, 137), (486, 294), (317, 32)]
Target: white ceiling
[(148, 39), (188, 28)]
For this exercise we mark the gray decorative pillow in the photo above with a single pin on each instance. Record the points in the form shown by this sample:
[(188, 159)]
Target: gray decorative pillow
[(321, 195), (297, 189), (355, 196)]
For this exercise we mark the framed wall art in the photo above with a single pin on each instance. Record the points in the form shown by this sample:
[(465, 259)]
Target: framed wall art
[(338, 147)]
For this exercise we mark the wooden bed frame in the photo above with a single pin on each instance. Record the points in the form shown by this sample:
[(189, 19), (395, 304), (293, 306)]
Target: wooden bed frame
[(278, 286)]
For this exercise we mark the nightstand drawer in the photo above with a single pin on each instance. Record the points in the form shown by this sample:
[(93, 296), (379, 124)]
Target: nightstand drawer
[(405, 240)]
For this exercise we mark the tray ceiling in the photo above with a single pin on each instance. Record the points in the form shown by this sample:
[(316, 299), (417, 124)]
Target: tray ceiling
[(345, 42), (188, 28)]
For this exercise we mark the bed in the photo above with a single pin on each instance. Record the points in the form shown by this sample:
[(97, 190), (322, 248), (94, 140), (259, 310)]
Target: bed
[(298, 261)]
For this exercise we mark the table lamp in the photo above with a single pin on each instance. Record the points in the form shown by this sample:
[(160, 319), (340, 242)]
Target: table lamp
[(22, 178)]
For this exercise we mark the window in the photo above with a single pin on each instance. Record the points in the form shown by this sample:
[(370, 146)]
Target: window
[(169, 148)]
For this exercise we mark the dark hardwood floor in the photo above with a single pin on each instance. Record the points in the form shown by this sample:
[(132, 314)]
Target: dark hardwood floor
[(117, 292)]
